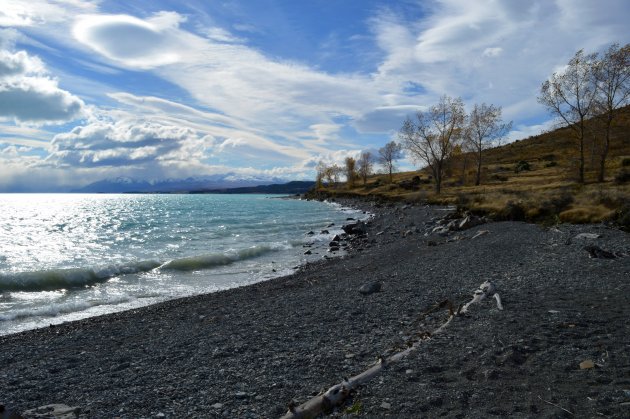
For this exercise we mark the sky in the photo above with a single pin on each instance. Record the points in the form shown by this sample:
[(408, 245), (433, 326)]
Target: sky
[(263, 89)]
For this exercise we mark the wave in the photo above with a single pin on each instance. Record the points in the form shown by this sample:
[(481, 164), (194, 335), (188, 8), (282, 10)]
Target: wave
[(195, 263), (54, 279), (58, 309)]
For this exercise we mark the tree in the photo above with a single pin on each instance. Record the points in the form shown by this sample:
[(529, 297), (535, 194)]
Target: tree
[(484, 126), (612, 80), (388, 154), (351, 173), (331, 174), (570, 96), (365, 165), (320, 169), (433, 135)]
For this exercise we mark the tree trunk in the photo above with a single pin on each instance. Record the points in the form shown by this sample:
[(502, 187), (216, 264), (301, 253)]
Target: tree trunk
[(581, 171), (437, 177), (602, 162), (478, 180)]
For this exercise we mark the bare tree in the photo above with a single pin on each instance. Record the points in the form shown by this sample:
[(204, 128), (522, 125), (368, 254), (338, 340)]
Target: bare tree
[(570, 96), (433, 135), (320, 170), (612, 80), (351, 172), (484, 126), (388, 154), (331, 174), (366, 162)]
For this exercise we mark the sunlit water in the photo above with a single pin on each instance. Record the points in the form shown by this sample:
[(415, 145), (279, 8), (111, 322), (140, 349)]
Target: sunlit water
[(66, 257)]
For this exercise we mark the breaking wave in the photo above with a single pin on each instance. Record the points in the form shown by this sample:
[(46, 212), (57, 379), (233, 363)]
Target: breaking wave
[(195, 263), (54, 279), (57, 309)]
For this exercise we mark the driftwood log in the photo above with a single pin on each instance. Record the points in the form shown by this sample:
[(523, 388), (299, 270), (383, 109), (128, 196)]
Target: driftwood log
[(338, 393)]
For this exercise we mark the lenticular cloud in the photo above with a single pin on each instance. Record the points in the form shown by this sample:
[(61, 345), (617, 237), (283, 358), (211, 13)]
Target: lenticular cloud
[(128, 40)]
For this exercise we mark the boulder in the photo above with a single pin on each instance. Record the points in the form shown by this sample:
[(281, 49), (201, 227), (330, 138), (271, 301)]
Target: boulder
[(598, 252), (324, 232), (354, 228), (370, 288)]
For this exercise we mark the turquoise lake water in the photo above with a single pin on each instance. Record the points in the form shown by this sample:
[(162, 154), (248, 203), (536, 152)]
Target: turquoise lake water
[(67, 257)]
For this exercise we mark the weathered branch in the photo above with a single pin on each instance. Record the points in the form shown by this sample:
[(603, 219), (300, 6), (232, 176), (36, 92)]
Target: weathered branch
[(336, 395)]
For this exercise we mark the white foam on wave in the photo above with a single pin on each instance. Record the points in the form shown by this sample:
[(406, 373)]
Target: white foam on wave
[(54, 279), (57, 309)]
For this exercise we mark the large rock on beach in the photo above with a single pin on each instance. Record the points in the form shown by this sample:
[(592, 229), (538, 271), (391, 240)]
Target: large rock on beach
[(598, 253), (357, 228), (370, 288)]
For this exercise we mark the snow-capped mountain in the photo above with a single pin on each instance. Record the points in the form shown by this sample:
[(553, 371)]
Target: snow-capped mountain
[(198, 183)]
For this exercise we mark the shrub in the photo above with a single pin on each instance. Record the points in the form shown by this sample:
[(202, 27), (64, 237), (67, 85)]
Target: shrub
[(463, 201), (556, 204), (499, 177), (512, 211), (586, 214), (521, 166), (551, 164), (622, 177), (622, 218), (625, 162)]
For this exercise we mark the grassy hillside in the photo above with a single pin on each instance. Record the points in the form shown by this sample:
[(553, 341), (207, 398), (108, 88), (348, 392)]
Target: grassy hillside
[(532, 179)]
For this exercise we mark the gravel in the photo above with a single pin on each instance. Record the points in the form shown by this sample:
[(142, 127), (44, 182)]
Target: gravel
[(248, 352)]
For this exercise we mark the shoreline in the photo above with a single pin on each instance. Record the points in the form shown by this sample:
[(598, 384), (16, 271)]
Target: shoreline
[(274, 257), (249, 351)]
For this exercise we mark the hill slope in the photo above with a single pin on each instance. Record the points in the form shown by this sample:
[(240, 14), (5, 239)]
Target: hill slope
[(532, 179)]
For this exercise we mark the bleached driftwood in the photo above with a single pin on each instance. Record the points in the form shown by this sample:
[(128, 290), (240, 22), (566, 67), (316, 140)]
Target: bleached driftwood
[(487, 289), (335, 395)]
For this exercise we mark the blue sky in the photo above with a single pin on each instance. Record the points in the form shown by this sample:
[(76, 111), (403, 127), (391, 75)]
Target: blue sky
[(263, 89)]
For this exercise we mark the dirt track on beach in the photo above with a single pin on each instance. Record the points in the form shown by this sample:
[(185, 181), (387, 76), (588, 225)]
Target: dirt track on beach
[(249, 351)]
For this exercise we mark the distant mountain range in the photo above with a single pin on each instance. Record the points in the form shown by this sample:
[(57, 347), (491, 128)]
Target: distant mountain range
[(294, 187), (228, 183)]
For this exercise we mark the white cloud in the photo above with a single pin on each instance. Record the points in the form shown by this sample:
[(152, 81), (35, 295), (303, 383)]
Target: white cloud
[(385, 118), (28, 94), (448, 51), (221, 35), (123, 143), (227, 76), (492, 52), (131, 41), (37, 12)]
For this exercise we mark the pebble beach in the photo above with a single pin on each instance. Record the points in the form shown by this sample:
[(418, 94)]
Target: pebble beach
[(559, 347)]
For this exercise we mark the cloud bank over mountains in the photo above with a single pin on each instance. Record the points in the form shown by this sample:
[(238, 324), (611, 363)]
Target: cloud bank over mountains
[(96, 89)]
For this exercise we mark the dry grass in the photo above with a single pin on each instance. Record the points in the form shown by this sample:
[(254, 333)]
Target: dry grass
[(548, 192)]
